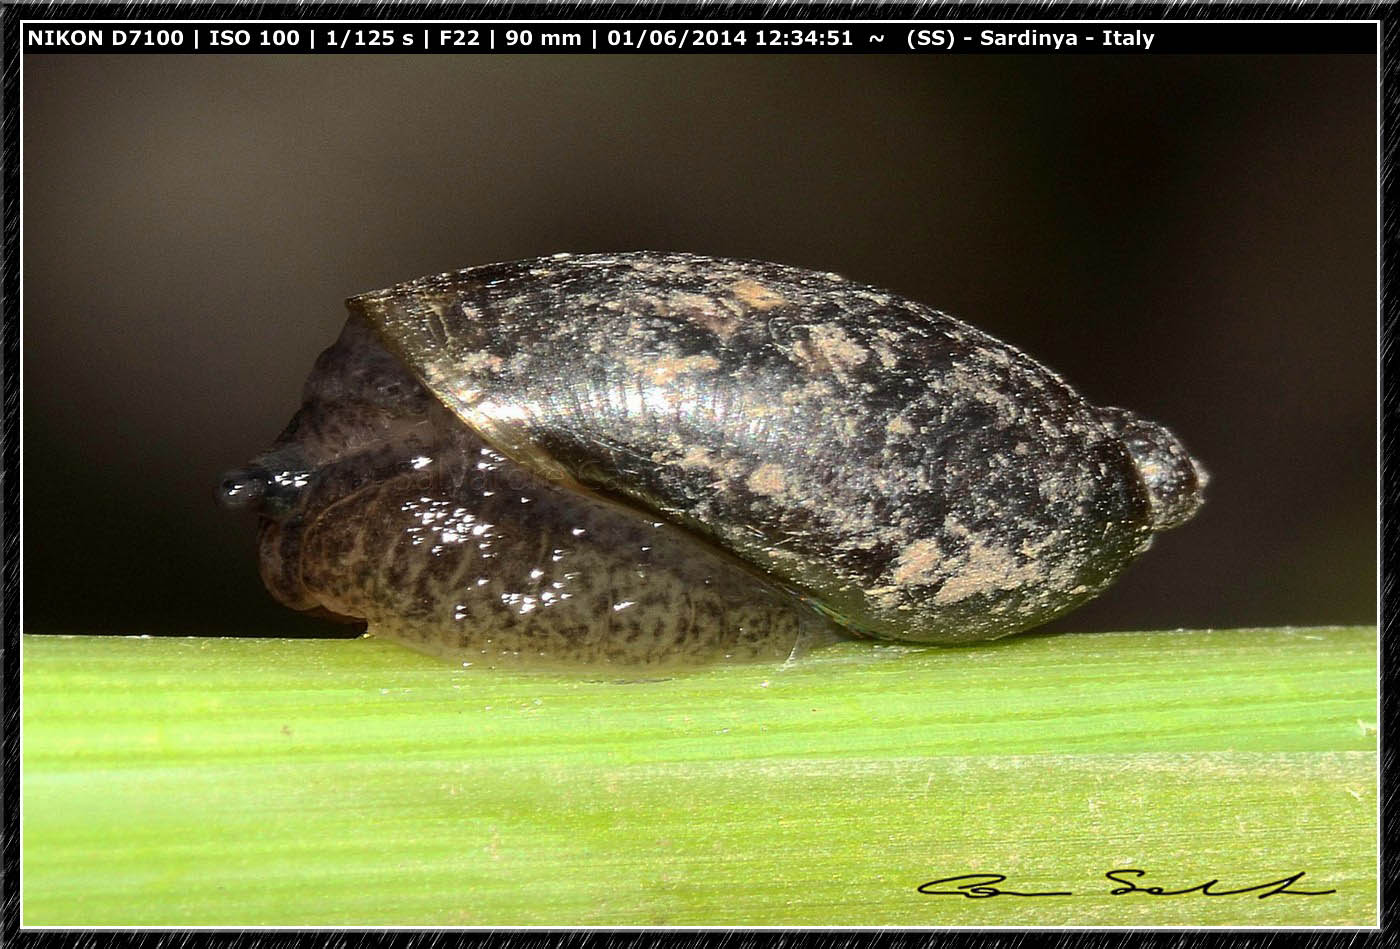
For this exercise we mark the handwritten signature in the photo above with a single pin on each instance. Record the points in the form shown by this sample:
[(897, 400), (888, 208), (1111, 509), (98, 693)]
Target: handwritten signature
[(980, 886)]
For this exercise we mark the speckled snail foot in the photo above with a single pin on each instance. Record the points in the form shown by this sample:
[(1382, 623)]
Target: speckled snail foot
[(652, 458)]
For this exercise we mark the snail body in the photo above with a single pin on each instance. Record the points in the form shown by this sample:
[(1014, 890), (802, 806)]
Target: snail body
[(643, 457)]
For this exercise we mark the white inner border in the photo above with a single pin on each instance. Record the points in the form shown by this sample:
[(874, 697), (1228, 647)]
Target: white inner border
[(648, 24)]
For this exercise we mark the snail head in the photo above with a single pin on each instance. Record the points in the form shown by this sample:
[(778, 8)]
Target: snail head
[(363, 419)]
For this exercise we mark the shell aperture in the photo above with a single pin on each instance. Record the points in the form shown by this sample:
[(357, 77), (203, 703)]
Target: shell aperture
[(752, 451)]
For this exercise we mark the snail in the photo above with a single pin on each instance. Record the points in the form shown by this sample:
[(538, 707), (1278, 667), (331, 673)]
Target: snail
[(644, 458)]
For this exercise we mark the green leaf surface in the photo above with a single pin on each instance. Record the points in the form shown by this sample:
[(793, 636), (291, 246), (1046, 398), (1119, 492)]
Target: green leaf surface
[(231, 782)]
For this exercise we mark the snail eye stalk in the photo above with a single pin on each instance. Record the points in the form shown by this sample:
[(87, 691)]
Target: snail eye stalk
[(242, 488), (273, 492)]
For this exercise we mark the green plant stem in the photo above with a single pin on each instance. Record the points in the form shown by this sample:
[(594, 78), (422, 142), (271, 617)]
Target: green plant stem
[(232, 782)]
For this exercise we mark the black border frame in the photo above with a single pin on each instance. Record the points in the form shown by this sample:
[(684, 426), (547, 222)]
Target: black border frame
[(12, 13)]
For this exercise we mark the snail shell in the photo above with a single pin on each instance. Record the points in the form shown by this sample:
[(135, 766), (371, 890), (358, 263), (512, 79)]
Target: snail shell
[(651, 457)]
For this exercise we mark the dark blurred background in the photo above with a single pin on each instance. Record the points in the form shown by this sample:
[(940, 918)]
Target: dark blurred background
[(1192, 237)]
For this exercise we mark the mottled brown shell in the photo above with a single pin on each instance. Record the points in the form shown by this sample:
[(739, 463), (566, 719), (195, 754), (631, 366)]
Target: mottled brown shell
[(908, 475)]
